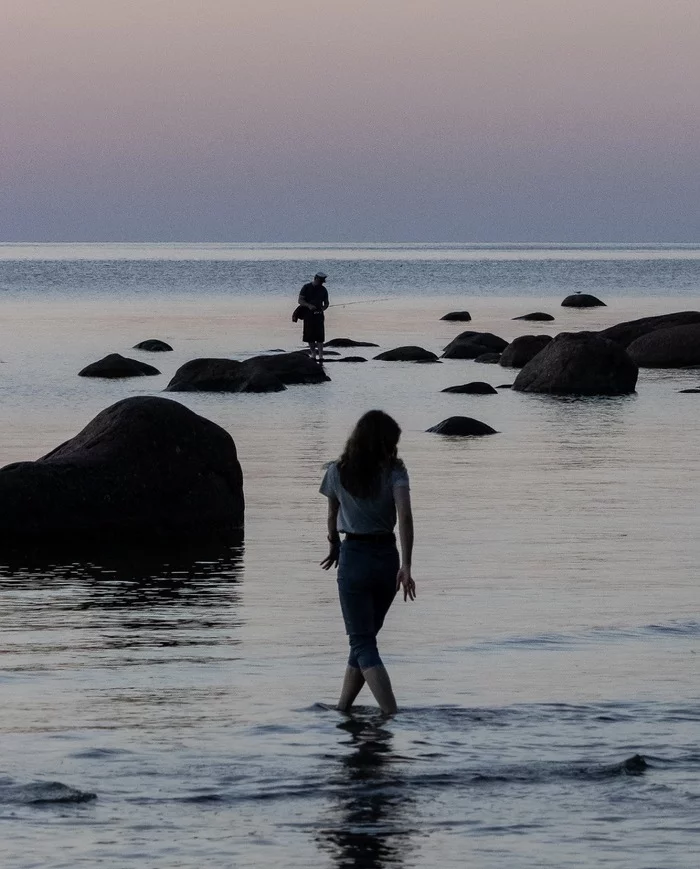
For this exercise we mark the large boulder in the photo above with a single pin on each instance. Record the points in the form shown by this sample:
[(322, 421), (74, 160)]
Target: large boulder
[(536, 316), (522, 349), (476, 387), (469, 345), (677, 347), (258, 374), (458, 316), (626, 333), (407, 354), (579, 363), (153, 345), (145, 470), (115, 365), (462, 426), (582, 300), (349, 342)]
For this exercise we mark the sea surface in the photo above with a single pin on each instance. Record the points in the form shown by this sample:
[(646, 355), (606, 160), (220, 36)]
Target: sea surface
[(163, 710)]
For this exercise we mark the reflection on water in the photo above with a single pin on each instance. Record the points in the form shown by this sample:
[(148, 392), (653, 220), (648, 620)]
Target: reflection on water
[(134, 597), (369, 820)]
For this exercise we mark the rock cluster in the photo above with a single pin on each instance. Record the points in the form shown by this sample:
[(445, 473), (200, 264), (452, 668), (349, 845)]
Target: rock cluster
[(259, 374)]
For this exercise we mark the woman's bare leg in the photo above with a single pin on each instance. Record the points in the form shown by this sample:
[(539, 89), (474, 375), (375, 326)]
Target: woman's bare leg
[(352, 685), (380, 685)]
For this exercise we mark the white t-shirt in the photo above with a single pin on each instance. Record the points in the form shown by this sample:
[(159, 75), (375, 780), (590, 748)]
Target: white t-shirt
[(376, 515)]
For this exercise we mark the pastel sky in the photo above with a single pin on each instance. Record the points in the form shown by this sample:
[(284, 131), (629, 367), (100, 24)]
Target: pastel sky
[(350, 120)]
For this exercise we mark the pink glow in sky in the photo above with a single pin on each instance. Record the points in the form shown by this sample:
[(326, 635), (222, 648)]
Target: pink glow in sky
[(455, 120)]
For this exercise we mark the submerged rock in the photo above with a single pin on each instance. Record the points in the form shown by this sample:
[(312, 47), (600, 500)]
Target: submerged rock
[(675, 347), (144, 470), (582, 300), (258, 374), (115, 365), (522, 349), (579, 363), (463, 316), (476, 387), (692, 391), (536, 316), (462, 426), (407, 354), (348, 342), (153, 345), (627, 332), (470, 345), (634, 765)]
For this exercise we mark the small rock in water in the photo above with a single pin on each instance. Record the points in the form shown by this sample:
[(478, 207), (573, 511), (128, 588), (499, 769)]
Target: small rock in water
[(476, 387), (535, 316), (407, 354), (505, 386), (349, 359), (582, 300), (41, 793), (348, 342), (689, 391), (153, 345), (462, 426), (115, 365), (463, 316), (634, 765)]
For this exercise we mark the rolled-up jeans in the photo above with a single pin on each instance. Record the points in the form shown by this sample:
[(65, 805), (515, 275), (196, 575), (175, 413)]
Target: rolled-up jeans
[(366, 586)]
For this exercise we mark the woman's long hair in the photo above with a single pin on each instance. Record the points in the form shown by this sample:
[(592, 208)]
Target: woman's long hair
[(369, 452)]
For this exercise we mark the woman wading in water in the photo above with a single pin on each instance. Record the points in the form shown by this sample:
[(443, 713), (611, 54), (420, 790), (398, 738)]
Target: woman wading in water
[(366, 488)]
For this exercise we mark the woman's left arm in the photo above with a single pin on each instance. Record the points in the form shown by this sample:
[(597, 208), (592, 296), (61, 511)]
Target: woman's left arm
[(331, 560), (402, 499)]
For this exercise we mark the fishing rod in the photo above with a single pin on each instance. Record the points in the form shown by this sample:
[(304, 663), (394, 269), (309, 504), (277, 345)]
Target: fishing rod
[(360, 302)]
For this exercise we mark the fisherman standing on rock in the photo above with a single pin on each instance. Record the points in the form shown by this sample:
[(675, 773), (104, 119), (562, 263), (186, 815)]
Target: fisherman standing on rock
[(314, 298)]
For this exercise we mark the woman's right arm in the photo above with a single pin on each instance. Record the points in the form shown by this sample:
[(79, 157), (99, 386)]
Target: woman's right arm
[(331, 560), (402, 498)]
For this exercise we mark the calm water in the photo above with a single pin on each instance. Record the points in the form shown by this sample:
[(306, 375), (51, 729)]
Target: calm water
[(167, 711)]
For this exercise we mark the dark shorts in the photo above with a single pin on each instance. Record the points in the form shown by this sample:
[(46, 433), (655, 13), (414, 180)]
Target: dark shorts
[(314, 328), (367, 587)]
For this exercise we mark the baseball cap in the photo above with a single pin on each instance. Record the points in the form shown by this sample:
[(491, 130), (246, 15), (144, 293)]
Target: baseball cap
[(320, 275)]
